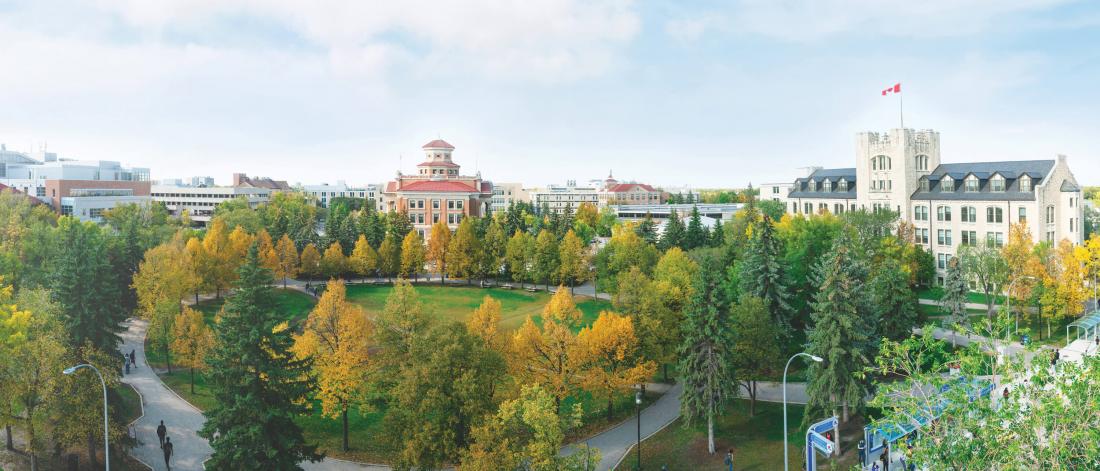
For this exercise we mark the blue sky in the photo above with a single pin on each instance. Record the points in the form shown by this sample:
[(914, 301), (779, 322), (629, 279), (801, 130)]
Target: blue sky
[(707, 94)]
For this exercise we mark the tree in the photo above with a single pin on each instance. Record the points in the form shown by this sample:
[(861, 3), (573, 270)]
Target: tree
[(389, 256), (239, 241), (163, 276), (696, 235), (573, 263), (614, 363), (519, 256), (647, 229), (437, 249), (310, 264), (706, 352), (287, 255), (84, 286), (444, 389), (549, 356), (546, 258), (674, 234), (269, 258), (717, 235), (333, 261), (895, 301), (562, 308), (987, 268), (1067, 298), (954, 295), (624, 251), (216, 268), (258, 386), (412, 255), (762, 273), (193, 340), (363, 260), (756, 355), (336, 338), (462, 252), (837, 335), (527, 433), (485, 324), (402, 319), (1025, 269), (491, 256)]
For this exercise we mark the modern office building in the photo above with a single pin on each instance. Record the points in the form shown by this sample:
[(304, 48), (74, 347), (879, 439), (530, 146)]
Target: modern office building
[(200, 202), (438, 191), (950, 204), (504, 194), (558, 197), (661, 212), (324, 192)]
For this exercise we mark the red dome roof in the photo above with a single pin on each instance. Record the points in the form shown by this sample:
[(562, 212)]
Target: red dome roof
[(438, 144)]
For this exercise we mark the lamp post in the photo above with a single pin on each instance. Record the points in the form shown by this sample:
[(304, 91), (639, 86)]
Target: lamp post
[(638, 409), (1008, 300), (106, 439), (807, 355)]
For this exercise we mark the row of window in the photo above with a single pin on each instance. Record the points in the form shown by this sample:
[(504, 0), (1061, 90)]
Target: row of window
[(993, 214), (972, 185), (968, 238), (418, 218), (451, 204), (826, 185)]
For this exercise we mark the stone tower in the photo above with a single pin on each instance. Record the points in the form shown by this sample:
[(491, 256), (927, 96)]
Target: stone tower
[(888, 166)]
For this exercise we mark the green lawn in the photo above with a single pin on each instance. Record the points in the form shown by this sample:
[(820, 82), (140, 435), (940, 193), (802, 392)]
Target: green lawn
[(129, 403), (936, 293), (457, 303)]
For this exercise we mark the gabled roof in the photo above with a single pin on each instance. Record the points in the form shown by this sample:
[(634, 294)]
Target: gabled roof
[(438, 144), (441, 186), (834, 175), (441, 163), (1069, 186), (1012, 171), (623, 187)]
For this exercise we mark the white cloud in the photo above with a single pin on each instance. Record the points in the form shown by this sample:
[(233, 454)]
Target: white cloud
[(690, 29)]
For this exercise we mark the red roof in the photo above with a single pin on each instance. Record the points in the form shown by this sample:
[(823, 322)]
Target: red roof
[(435, 185), (441, 163), (624, 187), (438, 143)]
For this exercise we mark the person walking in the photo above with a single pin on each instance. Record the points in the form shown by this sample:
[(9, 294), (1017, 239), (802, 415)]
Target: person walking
[(167, 452), (729, 460), (161, 432), (133, 358)]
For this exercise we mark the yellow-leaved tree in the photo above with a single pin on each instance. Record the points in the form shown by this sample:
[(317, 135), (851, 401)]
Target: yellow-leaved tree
[(287, 255), (437, 249), (562, 308), (1093, 265), (310, 264), (239, 242), (333, 261), (485, 324), (412, 255), (194, 258), (363, 260), (269, 258), (216, 268), (462, 251), (192, 340), (336, 336), (164, 275), (614, 363), (572, 260), (549, 356)]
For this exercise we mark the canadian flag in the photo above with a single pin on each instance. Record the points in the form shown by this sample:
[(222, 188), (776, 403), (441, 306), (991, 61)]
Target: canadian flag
[(895, 89)]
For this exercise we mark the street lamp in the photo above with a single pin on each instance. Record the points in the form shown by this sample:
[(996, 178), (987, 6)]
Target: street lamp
[(1008, 299), (638, 409), (807, 355), (106, 440)]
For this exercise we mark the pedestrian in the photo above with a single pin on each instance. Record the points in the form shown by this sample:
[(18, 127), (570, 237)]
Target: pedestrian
[(1005, 393), (729, 460), (862, 453), (874, 466), (133, 358), (161, 432), (167, 451), (127, 365)]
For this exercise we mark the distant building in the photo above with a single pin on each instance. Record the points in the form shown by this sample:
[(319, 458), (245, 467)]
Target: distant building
[(684, 193), (614, 192), (200, 202), (324, 192), (438, 191), (504, 194), (202, 181), (558, 197), (775, 192), (660, 212), (241, 180)]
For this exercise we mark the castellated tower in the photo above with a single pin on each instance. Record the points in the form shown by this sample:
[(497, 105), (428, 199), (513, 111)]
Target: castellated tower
[(888, 166)]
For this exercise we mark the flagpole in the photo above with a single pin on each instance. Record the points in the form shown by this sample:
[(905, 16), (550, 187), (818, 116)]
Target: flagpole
[(901, 110)]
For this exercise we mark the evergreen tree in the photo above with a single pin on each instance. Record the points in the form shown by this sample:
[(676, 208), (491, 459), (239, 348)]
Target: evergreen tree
[(717, 235), (706, 355), (954, 295), (258, 385), (82, 282), (674, 232), (372, 226), (762, 272), (894, 299), (697, 235), (647, 229), (491, 255), (398, 224), (838, 336), (462, 252)]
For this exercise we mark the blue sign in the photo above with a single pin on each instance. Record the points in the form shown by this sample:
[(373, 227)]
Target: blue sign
[(822, 444), (825, 425)]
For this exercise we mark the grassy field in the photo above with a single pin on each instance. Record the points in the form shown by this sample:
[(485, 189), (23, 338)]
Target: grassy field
[(455, 302), (129, 403), (936, 293), (290, 305)]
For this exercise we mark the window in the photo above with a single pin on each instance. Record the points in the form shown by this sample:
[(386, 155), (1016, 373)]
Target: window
[(947, 184), (1023, 214), (880, 162), (924, 184), (839, 208), (794, 208), (1025, 183), (822, 206), (943, 237), (813, 185), (828, 185), (943, 213), (809, 208), (435, 218), (921, 236), (1050, 214), (941, 261), (997, 183), (920, 213), (969, 238), (969, 214), (995, 239), (994, 214), (1050, 236), (435, 204), (922, 162), (1071, 225), (970, 184), (842, 185)]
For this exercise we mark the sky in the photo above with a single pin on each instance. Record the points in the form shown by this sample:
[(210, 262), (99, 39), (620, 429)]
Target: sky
[(703, 94)]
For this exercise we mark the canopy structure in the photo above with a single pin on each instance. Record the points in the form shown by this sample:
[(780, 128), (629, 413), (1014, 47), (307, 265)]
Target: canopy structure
[(878, 439), (1086, 326)]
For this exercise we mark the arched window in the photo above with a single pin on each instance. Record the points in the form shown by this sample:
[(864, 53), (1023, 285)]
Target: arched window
[(828, 185), (969, 214), (947, 184), (997, 183), (922, 162), (971, 184), (1025, 183), (842, 185)]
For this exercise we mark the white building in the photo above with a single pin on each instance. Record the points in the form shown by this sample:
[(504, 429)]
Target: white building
[(950, 205), (200, 202), (505, 194), (558, 197), (324, 192), (661, 212), (89, 204), (28, 173), (775, 192)]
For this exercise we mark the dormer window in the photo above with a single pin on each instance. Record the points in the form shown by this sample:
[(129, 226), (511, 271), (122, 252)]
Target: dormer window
[(947, 184), (924, 184), (813, 185), (842, 185), (997, 183), (828, 185), (1025, 183), (971, 184)]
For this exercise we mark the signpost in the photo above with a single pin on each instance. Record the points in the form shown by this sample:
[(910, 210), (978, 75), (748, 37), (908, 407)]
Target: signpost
[(816, 441)]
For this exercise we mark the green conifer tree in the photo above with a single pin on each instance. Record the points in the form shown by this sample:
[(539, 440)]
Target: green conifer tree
[(697, 234), (762, 272), (674, 232), (954, 295)]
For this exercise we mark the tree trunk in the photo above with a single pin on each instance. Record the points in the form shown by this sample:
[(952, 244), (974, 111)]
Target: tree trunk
[(196, 297), (192, 380), (284, 282), (91, 450), (752, 398), (844, 412), (168, 357), (710, 432), (346, 447), (610, 404), (665, 368), (9, 444)]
